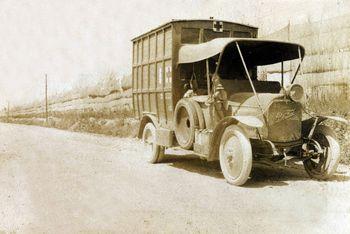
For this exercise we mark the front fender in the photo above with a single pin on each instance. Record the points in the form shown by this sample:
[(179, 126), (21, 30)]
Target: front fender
[(337, 118), (308, 124), (250, 121), (216, 136)]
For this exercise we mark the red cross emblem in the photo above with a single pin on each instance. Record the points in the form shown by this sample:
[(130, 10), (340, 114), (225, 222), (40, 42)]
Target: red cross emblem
[(218, 26)]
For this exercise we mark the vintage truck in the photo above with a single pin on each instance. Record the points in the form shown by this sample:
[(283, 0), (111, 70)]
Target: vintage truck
[(195, 86)]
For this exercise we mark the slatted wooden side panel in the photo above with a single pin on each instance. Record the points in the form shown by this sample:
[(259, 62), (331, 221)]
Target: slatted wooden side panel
[(152, 75)]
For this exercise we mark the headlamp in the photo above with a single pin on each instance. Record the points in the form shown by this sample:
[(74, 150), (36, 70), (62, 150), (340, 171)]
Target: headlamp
[(295, 92)]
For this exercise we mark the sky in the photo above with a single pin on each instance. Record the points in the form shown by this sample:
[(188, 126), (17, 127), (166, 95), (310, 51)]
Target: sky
[(75, 42)]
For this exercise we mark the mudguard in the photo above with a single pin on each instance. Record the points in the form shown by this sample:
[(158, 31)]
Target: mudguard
[(308, 124), (146, 118), (337, 118), (250, 121)]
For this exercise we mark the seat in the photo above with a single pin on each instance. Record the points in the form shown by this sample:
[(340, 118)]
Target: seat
[(242, 86)]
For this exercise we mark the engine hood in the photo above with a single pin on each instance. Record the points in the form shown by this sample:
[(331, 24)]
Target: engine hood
[(247, 104)]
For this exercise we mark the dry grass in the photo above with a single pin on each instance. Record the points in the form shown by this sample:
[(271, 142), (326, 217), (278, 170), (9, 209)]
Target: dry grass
[(334, 102), (116, 123), (90, 108), (321, 100)]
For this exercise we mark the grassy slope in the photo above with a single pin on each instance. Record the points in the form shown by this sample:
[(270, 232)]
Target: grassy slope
[(121, 122), (118, 123)]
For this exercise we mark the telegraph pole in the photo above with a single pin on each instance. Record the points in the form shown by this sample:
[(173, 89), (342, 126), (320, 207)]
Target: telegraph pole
[(46, 108)]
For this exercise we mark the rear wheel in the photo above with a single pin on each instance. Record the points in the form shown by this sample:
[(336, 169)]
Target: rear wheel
[(324, 166), (154, 152), (235, 153)]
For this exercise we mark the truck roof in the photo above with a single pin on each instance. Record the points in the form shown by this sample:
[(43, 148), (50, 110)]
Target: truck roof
[(261, 51), (189, 20)]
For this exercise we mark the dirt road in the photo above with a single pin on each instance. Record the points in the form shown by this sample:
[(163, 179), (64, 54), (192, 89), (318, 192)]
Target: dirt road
[(59, 181)]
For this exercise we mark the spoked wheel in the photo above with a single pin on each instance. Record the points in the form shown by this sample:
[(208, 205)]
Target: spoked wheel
[(155, 152), (324, 166), (235, 155)]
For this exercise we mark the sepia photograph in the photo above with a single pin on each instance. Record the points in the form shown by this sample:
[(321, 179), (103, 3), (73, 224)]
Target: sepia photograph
[(183, 116)]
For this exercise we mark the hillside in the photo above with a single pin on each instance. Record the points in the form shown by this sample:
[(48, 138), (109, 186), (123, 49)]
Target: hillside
[(105, 108)]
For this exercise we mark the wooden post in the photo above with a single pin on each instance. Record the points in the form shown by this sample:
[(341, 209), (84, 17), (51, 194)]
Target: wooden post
[(46, 107), (288, 28)]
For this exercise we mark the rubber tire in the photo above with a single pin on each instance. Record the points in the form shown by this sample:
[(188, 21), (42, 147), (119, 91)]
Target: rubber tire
[(233, 131), (190, 118), (157, 154), (333, 154), (200, 115)]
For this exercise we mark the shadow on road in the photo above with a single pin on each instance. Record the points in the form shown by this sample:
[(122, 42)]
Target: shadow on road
[(261, 176), (194, 164), (275, 175)]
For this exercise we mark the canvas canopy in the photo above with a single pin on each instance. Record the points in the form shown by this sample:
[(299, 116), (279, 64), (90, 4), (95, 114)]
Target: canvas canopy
[(255, 51)]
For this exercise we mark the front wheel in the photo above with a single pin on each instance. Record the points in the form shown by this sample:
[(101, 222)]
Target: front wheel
[(154, 152), (235, 155), (324, 166)]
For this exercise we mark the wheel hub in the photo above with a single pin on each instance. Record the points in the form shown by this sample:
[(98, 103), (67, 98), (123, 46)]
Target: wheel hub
[(233, 155)]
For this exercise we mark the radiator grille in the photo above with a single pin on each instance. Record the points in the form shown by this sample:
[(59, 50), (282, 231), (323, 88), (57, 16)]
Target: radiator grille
[(284, 121)]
